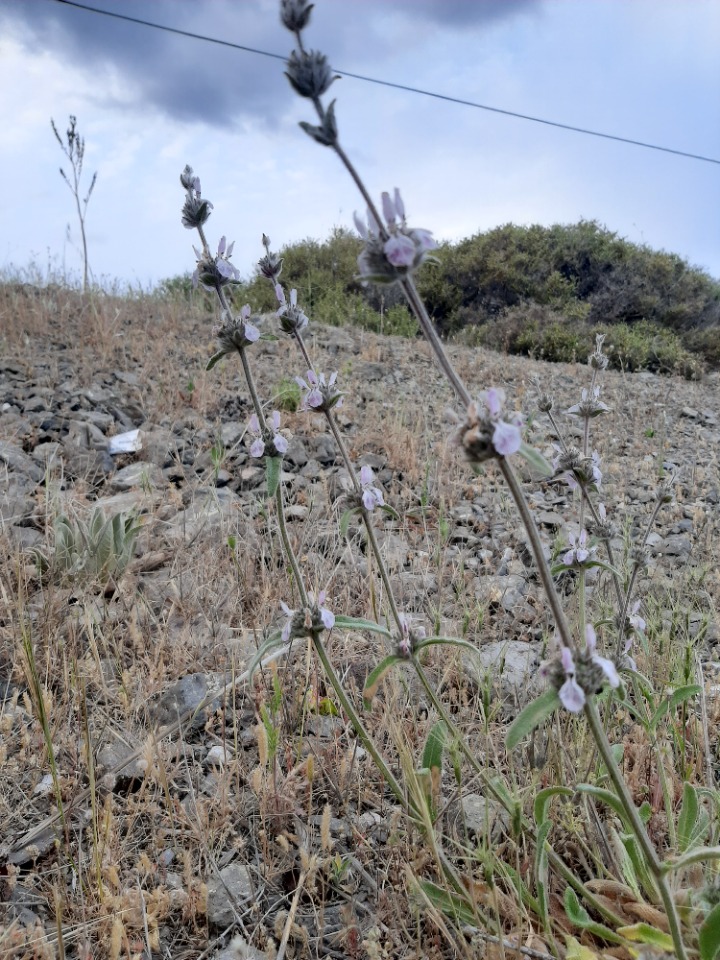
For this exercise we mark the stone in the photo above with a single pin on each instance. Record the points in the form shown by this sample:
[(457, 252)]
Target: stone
[(86, 436), (296, 454), (15, 506), (511, 666), (35, 405), (239, 949), (217, 756), (47, 452), (181, 697), (92, 466), (26, 538), (25, 904), (209, 509), (395, 550), (18, 461), (675, 546), (232, 432), (141, 474), (480, 816), (323, 449), (548, 518), (228, 893), (111, 756)]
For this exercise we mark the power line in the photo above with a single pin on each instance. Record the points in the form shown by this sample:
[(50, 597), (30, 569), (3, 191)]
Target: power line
[(395, 86)]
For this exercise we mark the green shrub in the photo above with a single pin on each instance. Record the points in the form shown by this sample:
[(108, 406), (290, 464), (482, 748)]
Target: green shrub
[(647, 346), (534, 290)]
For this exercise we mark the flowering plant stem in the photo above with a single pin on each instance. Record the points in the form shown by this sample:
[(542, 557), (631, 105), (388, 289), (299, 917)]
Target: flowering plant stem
[(543, 569), (367, 520), (653, 862), (490, 787), (418, 309), (593, 511), (367, 741), (364, 736), (486, 780), (430, 333)]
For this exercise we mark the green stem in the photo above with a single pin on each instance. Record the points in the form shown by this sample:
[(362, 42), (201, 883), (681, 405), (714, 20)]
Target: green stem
[(357, 723), (688, 859), (289, 552), (558, 613), (582, 610), (448, 869), (638, 827), (593, 510), (557, 863), (375, 547), (426, 325), (367, 520), (250, 380)]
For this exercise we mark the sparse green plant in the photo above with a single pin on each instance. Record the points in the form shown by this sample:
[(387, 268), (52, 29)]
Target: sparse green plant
[(98, 548), (288, 395)]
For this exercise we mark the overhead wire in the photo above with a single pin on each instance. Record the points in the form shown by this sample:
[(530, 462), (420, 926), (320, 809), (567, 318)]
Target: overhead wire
[(396, 86)]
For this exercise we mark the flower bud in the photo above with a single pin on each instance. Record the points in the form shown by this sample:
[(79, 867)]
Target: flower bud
[(664, 493), (236, 333), (545, 403), (188, 180), (597, 359), (295, 14), (195, 212), (327, 133), (292, 319), (309, 73), (270, 266)]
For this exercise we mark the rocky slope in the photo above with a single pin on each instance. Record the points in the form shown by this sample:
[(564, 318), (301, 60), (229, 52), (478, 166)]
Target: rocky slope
[(204, 581)]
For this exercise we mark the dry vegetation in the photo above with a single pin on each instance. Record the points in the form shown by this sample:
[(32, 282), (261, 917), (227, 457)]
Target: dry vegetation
[(118, 815)]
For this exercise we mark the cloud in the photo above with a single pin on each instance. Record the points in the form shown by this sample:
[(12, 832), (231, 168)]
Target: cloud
[(197, 81), (185, 79), (448, 13)]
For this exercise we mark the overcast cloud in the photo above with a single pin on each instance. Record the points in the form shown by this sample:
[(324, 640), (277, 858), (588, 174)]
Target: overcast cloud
[(149, 101)]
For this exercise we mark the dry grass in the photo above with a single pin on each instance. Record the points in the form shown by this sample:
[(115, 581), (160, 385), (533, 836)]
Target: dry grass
[(124, 865)]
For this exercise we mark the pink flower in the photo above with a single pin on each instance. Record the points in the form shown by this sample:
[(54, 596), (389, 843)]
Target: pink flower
[(388, 208), (250, 331), (494, 399), (400, 251), (572, 695), (321, 393), (409, 636), (636, 621), (424, 240), (372, 496), (392, 250), (506, 438), (292, 318), (317, 617), (607, 666), (257, 448), (578, 552), (360, 226)]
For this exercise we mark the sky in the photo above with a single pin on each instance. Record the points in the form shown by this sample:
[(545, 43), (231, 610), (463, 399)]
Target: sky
[(148, 102)]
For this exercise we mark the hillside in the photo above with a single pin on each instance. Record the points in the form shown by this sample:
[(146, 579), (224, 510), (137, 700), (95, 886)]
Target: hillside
[(536, 291), (179, 820)]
